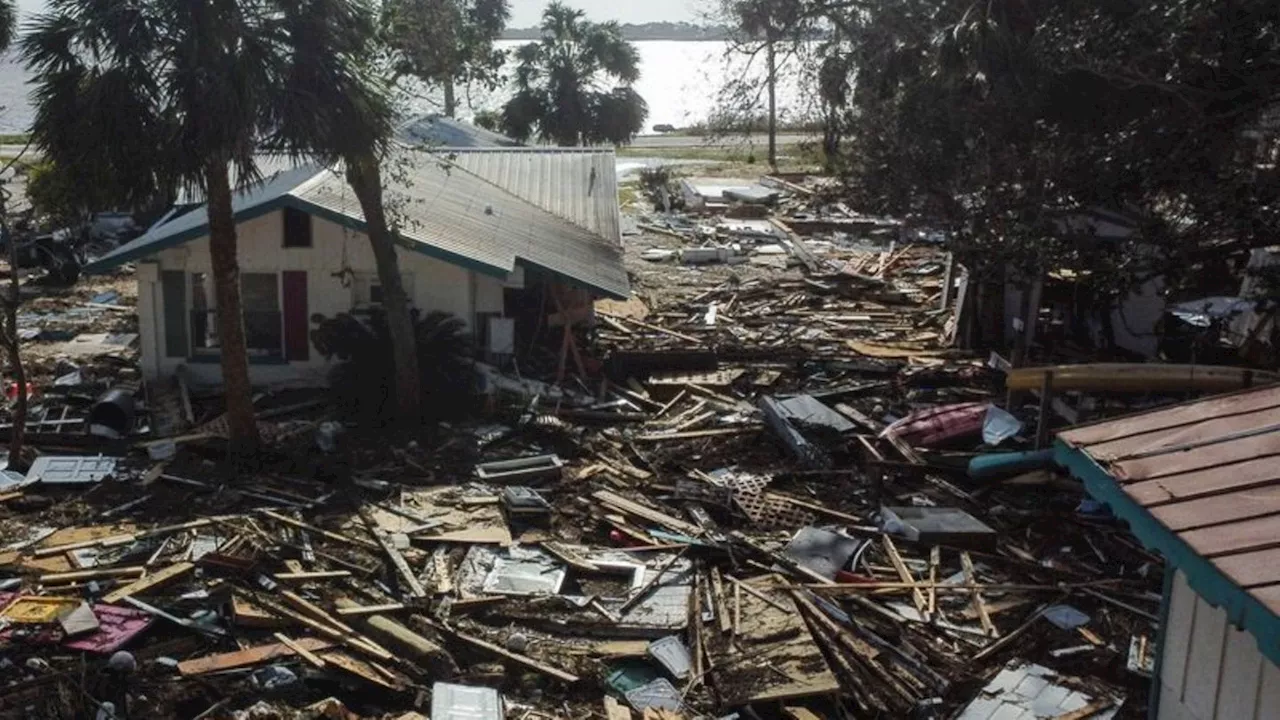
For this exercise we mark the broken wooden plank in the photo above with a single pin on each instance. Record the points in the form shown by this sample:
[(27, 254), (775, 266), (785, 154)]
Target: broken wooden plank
[(336, 537), (301, 651), (901, 567), (397, 560), (148, 582), (695, 434), (312, 575), (360, 610), (979, 605), (517, 658), (622, 504), (76, 576), (614, 711), (249, 656)]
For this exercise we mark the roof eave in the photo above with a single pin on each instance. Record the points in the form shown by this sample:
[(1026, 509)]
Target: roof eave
[(1210, 583)]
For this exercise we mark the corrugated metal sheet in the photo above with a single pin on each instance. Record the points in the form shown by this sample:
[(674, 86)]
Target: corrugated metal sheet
[(1209, 473), (1024, 691), (441, 131), (452, 210), (465, 218), (577, 184)]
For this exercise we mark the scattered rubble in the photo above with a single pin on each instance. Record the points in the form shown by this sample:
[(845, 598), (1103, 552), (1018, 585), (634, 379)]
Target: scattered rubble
[(765, 508)]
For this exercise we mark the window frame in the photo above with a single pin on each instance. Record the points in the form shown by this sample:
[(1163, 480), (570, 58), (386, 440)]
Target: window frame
[(259, 355), (285, 235)]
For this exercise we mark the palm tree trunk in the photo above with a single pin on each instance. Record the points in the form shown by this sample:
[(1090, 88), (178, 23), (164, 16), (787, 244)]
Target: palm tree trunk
[(773, 104), (18, 431), (226, 281), (450, 98), (365, 178)]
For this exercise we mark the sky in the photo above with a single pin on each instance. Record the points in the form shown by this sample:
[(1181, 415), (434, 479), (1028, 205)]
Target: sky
[(525, 13)]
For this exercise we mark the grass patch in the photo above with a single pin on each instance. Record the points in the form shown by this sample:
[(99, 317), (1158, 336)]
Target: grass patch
[(12, 139)]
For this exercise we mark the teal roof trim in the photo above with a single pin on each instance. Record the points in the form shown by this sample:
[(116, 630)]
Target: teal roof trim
[(1242, 609)]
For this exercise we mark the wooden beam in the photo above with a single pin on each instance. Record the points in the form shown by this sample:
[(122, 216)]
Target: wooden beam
[(517, 658), (916, 596), (248, 656), (978, 604), (301, 651), (143, 584), (397, 560)]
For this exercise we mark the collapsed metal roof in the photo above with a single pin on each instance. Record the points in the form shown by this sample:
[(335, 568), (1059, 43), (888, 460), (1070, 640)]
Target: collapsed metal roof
[(450, 212)]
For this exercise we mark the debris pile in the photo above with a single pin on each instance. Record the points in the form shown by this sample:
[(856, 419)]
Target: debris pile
[(788, 497)]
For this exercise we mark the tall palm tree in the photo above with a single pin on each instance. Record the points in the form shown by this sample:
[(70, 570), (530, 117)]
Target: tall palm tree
[(8, 23), (335, 107), (574, 86), (165, 92)]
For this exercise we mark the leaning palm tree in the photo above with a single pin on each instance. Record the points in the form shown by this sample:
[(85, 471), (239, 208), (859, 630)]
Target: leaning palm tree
[(574, 85), (164, 93), (336, 107)]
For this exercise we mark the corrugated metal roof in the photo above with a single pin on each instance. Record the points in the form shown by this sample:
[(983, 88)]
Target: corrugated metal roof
[(446, 210), (1200, 482), (272, 188), (441, 131), (577, 184)]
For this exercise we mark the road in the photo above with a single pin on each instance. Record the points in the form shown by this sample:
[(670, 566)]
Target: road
[(694, 141)]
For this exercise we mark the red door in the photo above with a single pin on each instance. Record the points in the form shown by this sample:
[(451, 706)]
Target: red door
[(297, 326)]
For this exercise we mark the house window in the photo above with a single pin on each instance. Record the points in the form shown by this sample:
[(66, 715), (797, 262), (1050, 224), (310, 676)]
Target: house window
[(297, 228), (260, 300), (366, 290)]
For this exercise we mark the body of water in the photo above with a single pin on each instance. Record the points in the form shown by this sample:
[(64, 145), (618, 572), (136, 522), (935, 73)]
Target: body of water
[(681, 81)]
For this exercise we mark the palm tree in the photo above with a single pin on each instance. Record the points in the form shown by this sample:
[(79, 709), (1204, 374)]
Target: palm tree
[(447, 42), (165, 92), (8, 23), (574, 86), (335, 107)]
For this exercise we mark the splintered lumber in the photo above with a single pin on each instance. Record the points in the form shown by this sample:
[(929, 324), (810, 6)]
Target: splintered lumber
[(153, 580), (979, 605), (421, 649), (312, 575), (397, 560), (249, 656), (301, 651), (70, 577), (622, 504), (329, 627), (355, 610), (655, 328), (774, 656), (935, 559), (614, 711), (916, 596), (517, 658), (336, 537), (694, 434), (569, 557)]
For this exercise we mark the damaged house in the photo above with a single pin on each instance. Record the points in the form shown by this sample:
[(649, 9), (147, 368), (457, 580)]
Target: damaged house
[(510, 240)]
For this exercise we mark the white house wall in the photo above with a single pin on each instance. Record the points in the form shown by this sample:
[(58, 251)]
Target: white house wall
[(435, 285), (1209, 669)]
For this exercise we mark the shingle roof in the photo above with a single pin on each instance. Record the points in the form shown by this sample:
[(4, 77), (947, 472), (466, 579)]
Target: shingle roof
[(445, 210), (1200, 482)]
